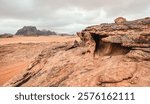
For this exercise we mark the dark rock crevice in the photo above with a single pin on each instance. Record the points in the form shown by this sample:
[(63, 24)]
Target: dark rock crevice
[(107, 48)]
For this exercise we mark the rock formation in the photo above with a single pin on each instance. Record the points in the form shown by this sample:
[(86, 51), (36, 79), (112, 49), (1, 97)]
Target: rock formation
[(32, 30), (122, 36), (110, 54)]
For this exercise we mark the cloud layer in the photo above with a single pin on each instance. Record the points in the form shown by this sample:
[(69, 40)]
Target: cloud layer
[(67, 16)]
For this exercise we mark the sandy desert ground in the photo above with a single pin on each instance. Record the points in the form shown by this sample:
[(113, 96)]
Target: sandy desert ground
[(39, 39), (16, 53)]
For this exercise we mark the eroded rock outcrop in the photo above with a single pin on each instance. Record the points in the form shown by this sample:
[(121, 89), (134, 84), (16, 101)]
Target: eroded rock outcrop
[(121, 58), (120, 36)]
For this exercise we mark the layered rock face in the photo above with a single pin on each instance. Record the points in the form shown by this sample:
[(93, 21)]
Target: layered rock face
[(119, 38), (114, 54), (32, 30)]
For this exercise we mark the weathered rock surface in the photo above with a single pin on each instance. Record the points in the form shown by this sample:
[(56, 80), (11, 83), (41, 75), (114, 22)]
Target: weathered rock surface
[(115, 54), (32, 30), (122, 34)]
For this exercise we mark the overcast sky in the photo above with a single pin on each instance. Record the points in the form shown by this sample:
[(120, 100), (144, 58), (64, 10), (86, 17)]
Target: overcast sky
[(67, 16)]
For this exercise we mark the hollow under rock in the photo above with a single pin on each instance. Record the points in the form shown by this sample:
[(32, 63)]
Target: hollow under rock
[(106, 48)]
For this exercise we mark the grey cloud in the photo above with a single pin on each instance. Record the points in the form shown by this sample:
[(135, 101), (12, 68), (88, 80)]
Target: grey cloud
[(67, 15)]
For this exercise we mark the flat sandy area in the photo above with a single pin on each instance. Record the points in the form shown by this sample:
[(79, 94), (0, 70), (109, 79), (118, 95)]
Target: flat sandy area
[(39, 39)]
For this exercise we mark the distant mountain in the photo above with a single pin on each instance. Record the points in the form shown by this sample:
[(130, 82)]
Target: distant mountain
[(6, 35), (32, 30)]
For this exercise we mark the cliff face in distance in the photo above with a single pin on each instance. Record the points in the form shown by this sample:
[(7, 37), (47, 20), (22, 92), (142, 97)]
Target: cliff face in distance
[(110, 54), (32, 30)]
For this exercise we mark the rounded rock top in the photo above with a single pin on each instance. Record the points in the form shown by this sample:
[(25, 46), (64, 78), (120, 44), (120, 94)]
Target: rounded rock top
[(120, 20)]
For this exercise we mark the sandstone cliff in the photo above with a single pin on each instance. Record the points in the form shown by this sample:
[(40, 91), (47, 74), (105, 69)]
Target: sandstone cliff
[(124, 35)]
